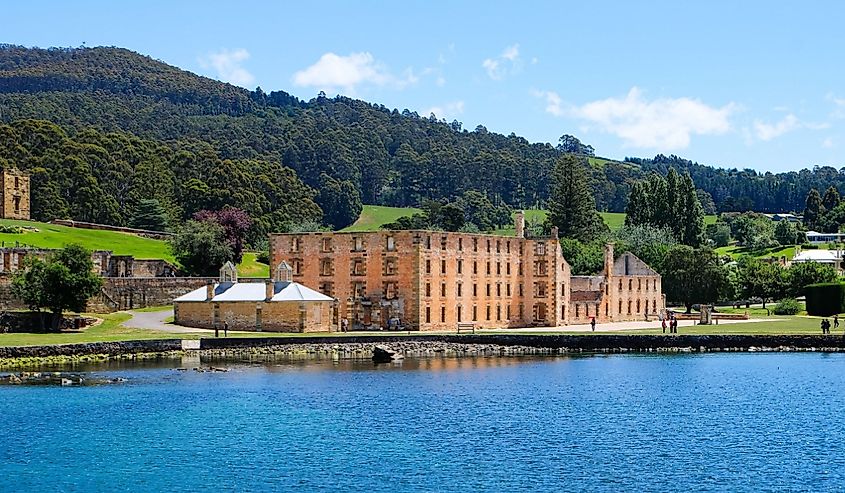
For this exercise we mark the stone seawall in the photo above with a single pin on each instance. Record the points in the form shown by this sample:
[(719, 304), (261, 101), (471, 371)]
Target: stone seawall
[(566, 343), (107, 348), (546, 344)]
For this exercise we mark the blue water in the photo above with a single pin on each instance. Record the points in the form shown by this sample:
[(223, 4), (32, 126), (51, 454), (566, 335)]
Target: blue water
[(711, 422)]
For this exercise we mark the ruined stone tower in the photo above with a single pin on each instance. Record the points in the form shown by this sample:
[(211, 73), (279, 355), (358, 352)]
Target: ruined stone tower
[(15, 194)]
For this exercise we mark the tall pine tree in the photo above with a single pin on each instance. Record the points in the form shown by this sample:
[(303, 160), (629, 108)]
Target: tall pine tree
[(572, 207), (670, 203), (813, 209)]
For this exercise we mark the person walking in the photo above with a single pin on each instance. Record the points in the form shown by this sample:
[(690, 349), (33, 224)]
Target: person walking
[(593, 323), (225, 329), (836, 322), (663, 324), (344, 325)]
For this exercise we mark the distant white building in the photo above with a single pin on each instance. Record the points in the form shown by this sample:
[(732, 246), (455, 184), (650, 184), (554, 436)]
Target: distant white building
[(817, 238), (784, 216), (832, 258)]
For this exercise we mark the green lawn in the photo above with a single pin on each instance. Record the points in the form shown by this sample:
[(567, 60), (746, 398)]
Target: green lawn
[(112, 330), (55, 236), (737, 251), (109, 330), (374, 216), (250, 267)]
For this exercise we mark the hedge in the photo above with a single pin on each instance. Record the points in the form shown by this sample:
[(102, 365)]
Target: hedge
[(825, 299)]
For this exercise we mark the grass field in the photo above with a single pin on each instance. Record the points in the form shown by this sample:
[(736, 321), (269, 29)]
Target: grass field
[(374, 216), (55, 236), (736, 251), (111, 329)]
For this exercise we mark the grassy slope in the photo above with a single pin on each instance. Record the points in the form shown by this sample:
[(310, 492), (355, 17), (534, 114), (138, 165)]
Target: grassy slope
[(55, 236), (373, 216), (737, 251)]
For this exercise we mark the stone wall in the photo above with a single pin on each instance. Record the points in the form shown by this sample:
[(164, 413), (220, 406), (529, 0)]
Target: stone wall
[(158, 235), (315, 316), (14, 195), (109, 348)]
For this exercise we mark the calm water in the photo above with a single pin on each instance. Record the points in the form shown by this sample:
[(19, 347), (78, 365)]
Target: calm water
[(717, 422)]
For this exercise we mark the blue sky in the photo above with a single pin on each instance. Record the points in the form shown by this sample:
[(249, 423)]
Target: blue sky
[(734, 84)]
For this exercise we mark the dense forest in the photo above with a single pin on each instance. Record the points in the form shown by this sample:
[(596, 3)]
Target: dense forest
[(98, 177), (194, 139)]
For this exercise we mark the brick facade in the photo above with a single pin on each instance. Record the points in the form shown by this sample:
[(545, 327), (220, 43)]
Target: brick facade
[(435, 280)]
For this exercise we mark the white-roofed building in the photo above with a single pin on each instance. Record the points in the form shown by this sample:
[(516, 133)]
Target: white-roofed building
[(832, 258), (276, 305), (817, 238)]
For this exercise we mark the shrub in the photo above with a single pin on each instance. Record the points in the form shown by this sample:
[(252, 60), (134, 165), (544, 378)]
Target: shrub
[(788, 306), (10, 229), (263, 257), (825, 299)]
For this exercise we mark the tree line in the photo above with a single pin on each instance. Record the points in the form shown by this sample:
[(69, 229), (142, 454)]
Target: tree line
[(384, 156)]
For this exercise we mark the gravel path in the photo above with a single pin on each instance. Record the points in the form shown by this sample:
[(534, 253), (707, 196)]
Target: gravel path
[(156, 321)]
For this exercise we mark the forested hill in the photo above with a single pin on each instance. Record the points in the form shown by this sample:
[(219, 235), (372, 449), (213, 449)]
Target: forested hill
[(388, 157)]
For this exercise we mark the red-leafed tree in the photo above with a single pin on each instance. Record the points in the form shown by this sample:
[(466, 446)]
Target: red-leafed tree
[(235, 223)]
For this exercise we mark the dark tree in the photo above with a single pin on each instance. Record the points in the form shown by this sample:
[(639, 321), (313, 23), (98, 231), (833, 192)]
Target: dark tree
[(65, 281), (813, 209), (149, 214), (235, 224), (340, 201), (572, 208), (200, 248)]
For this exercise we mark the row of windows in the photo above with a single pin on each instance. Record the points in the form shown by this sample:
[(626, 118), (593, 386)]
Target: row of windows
[(639, 284), (326, 244), (358, 244), (539, 289), (540, 267), (490, 313)]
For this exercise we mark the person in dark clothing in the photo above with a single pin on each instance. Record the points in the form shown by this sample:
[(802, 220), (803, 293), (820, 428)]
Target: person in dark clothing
[(593, 323), (225, 329), (836, 322)]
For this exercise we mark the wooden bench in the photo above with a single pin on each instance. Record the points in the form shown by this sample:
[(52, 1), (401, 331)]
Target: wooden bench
[(466, 327)]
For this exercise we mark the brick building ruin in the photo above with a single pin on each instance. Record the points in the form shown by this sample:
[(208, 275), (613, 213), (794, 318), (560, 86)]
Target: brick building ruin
[(14, 194), (429, 280)]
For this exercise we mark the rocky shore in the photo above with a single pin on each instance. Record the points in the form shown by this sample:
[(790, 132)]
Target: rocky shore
[(352, 347)]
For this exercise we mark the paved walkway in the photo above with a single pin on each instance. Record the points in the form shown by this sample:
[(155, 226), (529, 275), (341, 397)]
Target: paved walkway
[(156, 321)]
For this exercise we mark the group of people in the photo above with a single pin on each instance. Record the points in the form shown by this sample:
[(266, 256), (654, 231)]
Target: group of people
[(826, 325), (672, 323)]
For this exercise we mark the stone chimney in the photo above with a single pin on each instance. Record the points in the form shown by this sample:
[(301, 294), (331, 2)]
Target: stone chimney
[(555, 232), (519, 224), (209, 290), (269, 289), (608, 259)]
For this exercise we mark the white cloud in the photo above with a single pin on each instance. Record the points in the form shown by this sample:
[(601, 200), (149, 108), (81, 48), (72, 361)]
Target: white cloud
[(664, 123), (838, 106), (334, 72), (554, 104), (768, 131), (447, 111), (828, 143), (227, 64), (507, 62)]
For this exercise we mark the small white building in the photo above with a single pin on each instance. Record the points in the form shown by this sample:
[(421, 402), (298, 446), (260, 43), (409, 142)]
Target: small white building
[(816, 238), (832, 258)]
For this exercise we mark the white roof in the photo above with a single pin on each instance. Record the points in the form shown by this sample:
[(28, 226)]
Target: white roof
[(821, 256), (255, 291)]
